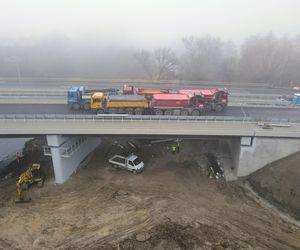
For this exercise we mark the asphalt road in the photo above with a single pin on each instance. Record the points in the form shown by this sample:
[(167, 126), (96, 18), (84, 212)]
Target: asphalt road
[(257, 113)]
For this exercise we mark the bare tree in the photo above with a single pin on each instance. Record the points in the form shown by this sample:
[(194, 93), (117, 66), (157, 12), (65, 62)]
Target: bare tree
[(229, 67), (145, 62), (165, 62), (269, 59), (159, 64), (203, 58)]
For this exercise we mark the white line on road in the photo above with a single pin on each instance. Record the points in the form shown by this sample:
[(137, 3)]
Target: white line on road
[(244, 113)]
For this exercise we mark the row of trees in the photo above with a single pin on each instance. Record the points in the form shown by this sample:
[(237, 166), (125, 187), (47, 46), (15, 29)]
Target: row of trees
[(267, 59)]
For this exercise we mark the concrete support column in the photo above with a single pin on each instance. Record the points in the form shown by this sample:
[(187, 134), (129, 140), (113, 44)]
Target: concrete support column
[(68, 152)]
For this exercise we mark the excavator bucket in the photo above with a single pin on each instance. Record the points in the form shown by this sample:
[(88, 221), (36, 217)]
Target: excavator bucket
[(23, 196)]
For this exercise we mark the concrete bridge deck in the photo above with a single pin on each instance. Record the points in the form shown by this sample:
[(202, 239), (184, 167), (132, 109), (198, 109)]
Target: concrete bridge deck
[(144, 125)]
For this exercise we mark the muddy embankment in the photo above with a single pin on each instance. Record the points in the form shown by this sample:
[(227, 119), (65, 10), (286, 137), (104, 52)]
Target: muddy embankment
[(279, 183), (172, 204)]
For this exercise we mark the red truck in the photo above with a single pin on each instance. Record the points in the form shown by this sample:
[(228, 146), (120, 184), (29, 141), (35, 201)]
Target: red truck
[(177, 104), (214, 99), (184, 102)]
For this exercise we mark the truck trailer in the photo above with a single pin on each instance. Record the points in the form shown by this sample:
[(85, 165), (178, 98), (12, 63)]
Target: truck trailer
[(213, 99), (177, 104), (118, 104), (160, 104)]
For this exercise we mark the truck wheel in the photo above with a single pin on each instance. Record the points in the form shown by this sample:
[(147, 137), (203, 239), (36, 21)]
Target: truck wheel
[(158, 112), (100, 111), (169, 112), (219, 108), (129, 111), (148, 112), (195, 112), (139, 111), (184, 112), (86, 106), (112, 111), (208, 108), (76, 106)]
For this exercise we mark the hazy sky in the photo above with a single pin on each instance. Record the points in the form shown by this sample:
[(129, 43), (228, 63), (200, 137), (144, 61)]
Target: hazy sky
[(148, 22)]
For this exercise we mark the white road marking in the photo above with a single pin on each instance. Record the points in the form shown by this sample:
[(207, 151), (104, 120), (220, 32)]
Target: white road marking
[(244, 113)]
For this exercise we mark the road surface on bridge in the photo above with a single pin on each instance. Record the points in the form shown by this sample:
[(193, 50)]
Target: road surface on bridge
[(257, 113), (81, 126)]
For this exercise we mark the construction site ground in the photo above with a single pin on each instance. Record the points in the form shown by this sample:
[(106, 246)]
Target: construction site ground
[(172, 204)]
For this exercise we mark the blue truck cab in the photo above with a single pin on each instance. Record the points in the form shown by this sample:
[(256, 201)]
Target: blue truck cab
[(72, 96), (77, 98), (296, 99)]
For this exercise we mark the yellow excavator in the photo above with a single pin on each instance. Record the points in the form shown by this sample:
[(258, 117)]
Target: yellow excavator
[(32, 175)]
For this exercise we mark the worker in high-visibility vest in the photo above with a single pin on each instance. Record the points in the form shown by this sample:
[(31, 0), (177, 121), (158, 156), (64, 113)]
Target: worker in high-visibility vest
[(174, 149)]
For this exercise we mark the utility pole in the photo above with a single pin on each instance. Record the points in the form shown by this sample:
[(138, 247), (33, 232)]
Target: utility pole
[(16, 60)]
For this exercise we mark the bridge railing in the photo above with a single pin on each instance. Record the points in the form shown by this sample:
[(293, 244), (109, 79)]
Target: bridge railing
[(126, 118)]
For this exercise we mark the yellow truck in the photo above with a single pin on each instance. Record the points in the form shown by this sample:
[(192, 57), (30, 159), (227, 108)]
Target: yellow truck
[(118, 104)]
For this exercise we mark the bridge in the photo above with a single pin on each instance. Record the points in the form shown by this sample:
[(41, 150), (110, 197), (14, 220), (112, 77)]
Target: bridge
[(257, 126), (253, 142)]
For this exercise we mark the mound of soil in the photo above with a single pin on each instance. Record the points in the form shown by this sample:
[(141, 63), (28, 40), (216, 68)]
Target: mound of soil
[(171, 235), (171, 205), (279, 183)]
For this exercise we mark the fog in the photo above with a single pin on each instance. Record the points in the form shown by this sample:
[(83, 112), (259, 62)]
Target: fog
[(210, 40)]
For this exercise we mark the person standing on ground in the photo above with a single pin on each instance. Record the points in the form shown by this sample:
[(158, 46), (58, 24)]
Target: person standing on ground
[(173, 149), (18, 156)]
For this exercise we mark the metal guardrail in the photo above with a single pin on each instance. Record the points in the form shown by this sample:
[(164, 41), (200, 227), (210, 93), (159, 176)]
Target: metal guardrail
[(63, 93), (142, 118)]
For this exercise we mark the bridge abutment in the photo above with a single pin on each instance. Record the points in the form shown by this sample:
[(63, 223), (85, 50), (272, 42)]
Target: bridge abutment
[(256, 152), (68, 152)]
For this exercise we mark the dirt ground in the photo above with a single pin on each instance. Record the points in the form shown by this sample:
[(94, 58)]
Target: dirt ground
[(172, 204), (279, 183)]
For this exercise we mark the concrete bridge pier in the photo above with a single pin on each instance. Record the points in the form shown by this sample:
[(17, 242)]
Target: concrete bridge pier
[(68, 152)]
